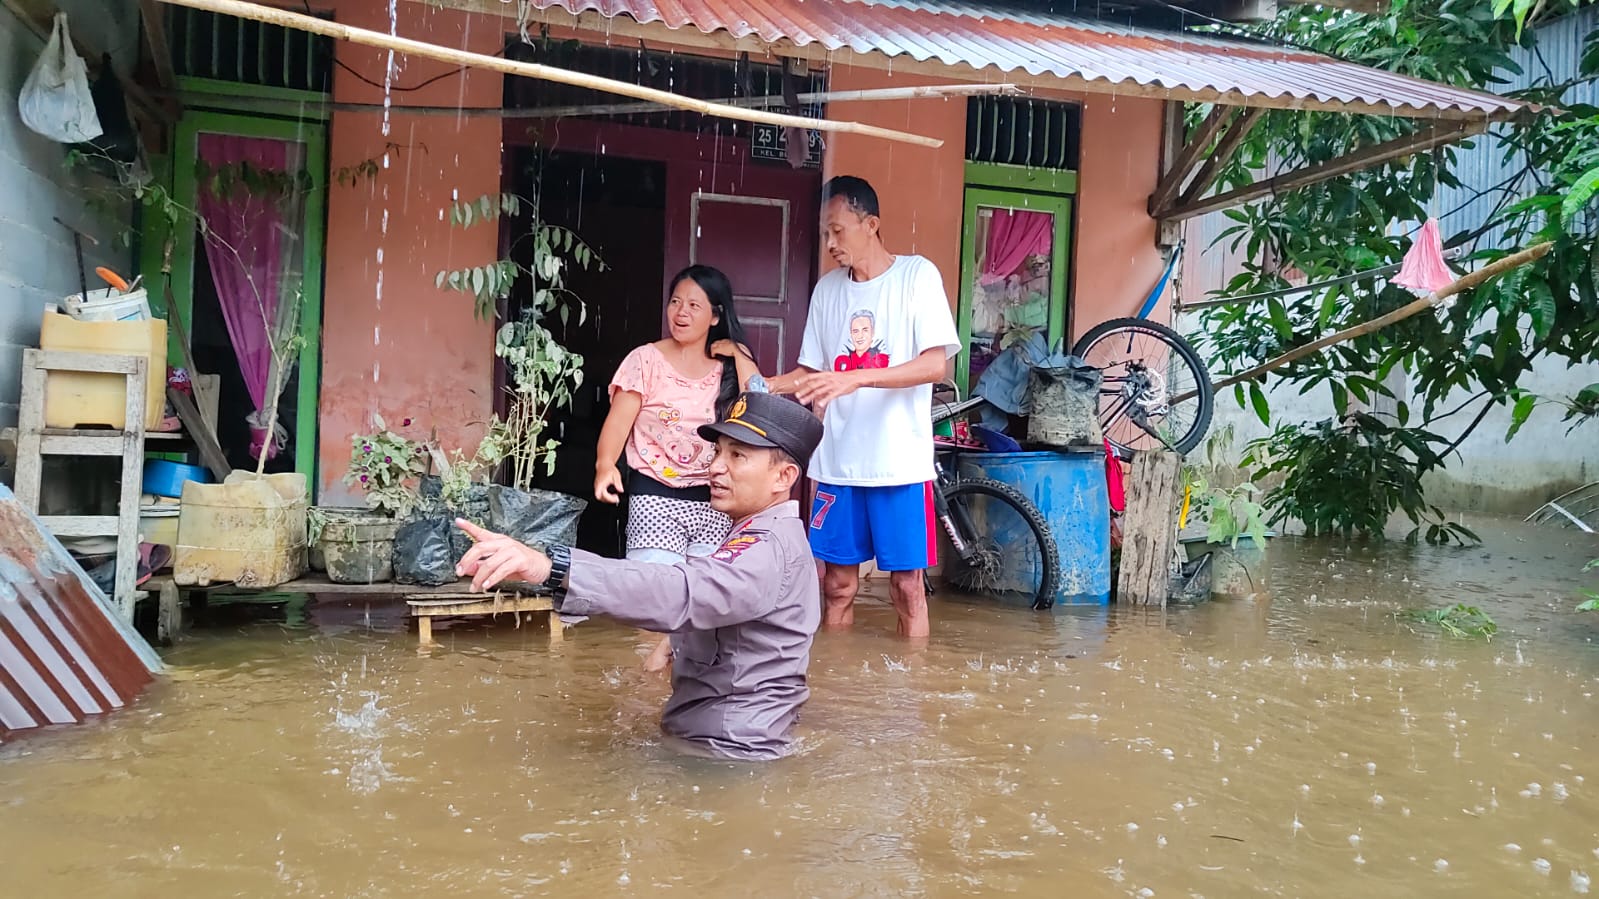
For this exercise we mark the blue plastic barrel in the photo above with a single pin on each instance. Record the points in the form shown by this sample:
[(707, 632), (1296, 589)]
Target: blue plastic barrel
[(1069, 488)]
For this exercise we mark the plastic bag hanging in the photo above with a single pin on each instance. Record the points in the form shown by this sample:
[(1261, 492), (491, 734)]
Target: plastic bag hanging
[(1424, 270), (56, 100)]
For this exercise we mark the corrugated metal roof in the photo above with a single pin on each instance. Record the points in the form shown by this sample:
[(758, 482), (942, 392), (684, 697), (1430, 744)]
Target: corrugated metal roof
[(63, 656), (1086, 54)]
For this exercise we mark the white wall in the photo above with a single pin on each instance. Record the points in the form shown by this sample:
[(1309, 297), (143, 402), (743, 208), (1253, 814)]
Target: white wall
[(37, 262)]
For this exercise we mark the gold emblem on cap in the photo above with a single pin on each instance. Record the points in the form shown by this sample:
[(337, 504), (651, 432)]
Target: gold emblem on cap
[(738, 408)]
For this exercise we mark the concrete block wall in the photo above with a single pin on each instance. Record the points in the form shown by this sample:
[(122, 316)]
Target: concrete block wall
[(37, 261)]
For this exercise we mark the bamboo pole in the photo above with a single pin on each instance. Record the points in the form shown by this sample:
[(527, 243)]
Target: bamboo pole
[(1465, 283), (257, 12), (282, 104)]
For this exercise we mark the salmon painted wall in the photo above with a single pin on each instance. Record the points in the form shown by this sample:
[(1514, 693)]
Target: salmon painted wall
[(1115, 260), (919, 189), (407, 350)]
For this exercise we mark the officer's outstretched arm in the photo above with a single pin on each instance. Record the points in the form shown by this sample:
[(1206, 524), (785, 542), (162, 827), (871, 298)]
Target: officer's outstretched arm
[(740, 583)]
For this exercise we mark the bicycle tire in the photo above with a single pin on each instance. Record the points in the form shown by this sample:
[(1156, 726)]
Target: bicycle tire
[(1049, 554), (1204, 400)]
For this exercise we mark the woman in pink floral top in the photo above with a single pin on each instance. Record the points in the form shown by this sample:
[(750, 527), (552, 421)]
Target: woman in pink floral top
[(661, 394)]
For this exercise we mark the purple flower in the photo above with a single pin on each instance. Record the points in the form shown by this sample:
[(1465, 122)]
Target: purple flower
[(363, 479), (388, 459), (366, 447), (406, 423)]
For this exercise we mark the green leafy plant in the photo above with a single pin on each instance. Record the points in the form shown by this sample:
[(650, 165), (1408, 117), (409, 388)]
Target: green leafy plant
[(543, 376), (1457, 620), (555, 250), (543, 373), (1350, 477), (386, 465), (1485, 345), (459, 472), (1228, 513)]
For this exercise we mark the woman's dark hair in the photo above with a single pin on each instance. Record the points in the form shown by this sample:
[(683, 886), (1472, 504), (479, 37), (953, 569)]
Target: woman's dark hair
[(719, 291)]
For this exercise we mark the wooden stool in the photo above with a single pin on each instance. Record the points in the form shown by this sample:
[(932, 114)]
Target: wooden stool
[(466, 605)]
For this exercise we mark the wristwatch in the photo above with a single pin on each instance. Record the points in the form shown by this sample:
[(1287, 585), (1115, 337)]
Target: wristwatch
[(560, 563)]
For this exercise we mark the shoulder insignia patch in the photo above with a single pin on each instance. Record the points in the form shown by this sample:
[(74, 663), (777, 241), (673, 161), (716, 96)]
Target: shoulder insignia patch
[(737, 545)]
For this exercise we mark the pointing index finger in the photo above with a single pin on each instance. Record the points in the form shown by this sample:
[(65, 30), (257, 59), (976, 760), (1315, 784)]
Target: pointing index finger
[(476, 533)]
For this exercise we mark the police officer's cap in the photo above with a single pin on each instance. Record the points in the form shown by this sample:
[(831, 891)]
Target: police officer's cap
[(766, 419)]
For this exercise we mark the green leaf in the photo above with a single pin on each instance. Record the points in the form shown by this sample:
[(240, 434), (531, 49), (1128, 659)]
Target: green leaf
[(1541, 307), (438, 280), (1257, 398), (1591, 605), (1578, 195), (1520, 413)]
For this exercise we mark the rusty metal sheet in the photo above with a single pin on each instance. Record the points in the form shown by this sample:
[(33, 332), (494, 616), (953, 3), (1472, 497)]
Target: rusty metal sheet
[(1106, 56), (64, 655)]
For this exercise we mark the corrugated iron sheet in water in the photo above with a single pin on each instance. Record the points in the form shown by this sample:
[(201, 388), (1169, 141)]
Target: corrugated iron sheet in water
[(63, 654)]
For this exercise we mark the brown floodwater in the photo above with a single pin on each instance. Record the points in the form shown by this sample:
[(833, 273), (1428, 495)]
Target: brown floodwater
[(1301, 744)]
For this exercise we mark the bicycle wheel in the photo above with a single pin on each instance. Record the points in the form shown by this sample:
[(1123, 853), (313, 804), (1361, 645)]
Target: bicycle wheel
[(1155, 393), (1010, 548)]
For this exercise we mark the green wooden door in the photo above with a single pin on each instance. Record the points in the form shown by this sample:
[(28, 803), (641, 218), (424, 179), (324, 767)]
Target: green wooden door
[(1015, 249), (186, 175)]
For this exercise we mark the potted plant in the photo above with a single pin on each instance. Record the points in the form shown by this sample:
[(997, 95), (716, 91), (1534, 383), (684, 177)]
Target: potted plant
[(1232, 523), (356, 545)]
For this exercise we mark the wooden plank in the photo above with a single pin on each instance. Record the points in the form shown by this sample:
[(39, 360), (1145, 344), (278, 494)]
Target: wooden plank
[(1422, 140), (480, 606), (30, 420), (1149, 529), (80, 525), (97, 363), (1171, 183), (105, 444), (414, 48), (169, 611), (210, 451), (132, 485), (155, 34), (1210, 170)]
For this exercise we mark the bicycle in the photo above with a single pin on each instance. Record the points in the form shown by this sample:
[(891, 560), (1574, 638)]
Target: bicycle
[(1002, 542), (1154, 388)]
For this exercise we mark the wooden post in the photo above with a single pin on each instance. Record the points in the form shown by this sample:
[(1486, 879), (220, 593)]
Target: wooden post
[(1149, 529), (557, 628)]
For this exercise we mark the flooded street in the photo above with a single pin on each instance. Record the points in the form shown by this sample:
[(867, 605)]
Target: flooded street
[(1305, 745)]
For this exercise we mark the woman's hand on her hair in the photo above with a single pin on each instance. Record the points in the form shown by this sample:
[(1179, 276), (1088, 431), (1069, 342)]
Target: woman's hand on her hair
[(726, 347), (608, 484)]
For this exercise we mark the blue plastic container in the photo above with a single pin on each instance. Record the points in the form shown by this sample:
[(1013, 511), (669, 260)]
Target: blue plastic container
[(1069, 488), (164, 478)]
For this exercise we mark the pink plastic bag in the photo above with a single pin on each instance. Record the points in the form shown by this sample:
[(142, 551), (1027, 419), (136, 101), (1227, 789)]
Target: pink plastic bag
[(1424, 270), (1113, 480)]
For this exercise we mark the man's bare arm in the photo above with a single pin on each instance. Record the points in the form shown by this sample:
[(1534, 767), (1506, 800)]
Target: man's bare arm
[(930, 367)]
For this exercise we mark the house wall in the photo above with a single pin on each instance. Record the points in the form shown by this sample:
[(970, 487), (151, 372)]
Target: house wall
[(37, 261), (393, 343), (1115, 260)]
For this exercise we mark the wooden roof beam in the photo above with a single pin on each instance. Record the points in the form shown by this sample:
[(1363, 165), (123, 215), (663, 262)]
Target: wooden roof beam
[(1420, 141), (1183, 166)]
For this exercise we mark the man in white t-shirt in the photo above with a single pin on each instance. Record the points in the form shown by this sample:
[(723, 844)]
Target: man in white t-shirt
[(878, 335)]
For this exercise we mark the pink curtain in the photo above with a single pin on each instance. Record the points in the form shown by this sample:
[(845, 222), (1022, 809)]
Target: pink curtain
[(246, 239), (1013, 235)]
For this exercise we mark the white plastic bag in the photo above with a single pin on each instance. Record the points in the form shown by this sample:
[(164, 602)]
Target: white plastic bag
[(55, 100)]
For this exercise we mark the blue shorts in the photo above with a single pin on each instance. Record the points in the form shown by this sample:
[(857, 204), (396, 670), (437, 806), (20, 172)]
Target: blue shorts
[(894, 525)]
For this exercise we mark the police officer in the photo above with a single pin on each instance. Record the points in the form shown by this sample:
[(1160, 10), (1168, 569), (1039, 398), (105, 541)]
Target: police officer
[(741, 619)]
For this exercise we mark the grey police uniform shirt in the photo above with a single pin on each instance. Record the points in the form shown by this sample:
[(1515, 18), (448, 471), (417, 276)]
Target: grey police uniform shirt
[(741, 619)]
